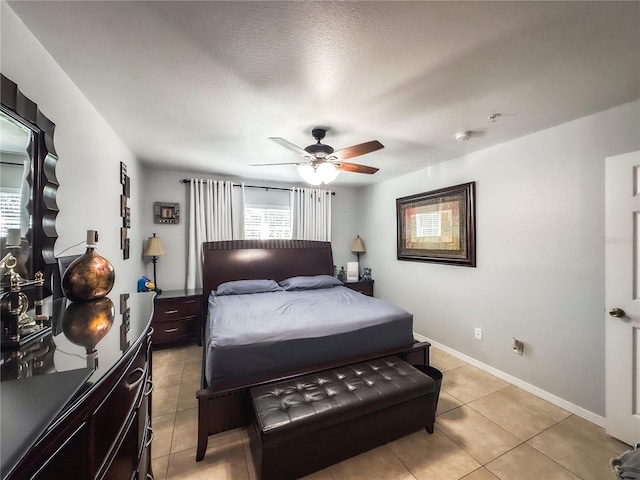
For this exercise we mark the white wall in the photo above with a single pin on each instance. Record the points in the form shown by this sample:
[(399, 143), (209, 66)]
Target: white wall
[(540, 255), (540, 217), (89, 153), (165, 186)]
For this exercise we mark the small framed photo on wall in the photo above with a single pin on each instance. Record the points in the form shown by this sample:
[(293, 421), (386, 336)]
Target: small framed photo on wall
[(125, 250), (126, 188), (123, 173)]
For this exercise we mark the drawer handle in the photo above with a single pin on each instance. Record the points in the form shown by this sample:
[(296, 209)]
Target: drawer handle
[(134, 385), (171, 311), (148, 387), (148, 442), (170, 330), (190, 301)]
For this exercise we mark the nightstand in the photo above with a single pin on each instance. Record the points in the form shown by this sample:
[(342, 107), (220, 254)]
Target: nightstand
[(363, 286), (177, 316)]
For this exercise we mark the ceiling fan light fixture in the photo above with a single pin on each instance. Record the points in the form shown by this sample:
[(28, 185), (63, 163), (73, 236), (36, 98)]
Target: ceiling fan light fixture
[(322, 163), (324, 173), (308, 174), (327, 172)]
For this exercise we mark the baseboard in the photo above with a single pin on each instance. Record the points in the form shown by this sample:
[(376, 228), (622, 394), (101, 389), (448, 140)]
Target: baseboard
[(560, 402)]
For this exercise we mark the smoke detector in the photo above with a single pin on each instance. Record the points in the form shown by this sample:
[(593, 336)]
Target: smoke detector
[(463, 136)]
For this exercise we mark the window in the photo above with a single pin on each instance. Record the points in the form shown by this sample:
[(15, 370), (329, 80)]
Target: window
[(264, 222), (9, 211)]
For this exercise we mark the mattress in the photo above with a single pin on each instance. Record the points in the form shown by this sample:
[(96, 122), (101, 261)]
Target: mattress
[(257, 335)]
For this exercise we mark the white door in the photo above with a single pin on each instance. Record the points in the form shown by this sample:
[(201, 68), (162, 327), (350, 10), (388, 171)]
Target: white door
[(622, 283)]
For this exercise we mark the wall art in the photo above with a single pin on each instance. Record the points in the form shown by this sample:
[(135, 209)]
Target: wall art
[(438, 226)]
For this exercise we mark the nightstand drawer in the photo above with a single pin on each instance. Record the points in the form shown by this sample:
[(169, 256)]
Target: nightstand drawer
[(174, 331), (177, 316), (167, 310)]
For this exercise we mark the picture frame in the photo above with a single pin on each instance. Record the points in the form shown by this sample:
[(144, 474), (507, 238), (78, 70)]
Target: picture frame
[(125, 250), (123, 173), (126, 223), (166, 212), (123, 302), (438, 226), (353, 269), (123, 205), (123, 236), (126, 187)]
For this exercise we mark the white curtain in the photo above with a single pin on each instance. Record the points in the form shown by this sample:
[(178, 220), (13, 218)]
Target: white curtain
[(215, 213), (310, 214)]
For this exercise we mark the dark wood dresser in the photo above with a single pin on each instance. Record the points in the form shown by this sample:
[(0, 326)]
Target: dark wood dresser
[(76, 404), (177, 316)]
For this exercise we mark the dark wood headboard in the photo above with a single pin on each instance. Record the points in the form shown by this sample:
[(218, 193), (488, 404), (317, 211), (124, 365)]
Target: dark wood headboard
[(263, 259)]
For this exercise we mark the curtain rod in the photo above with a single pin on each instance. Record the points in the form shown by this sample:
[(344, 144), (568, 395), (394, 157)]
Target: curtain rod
[(186, 180)]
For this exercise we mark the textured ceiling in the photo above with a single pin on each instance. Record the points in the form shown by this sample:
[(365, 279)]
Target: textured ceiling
[(199, 86)]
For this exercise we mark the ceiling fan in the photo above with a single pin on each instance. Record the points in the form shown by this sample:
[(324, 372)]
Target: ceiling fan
[(323, 163)]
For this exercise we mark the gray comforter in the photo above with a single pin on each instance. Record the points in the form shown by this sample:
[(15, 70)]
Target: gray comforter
[(249, 336)]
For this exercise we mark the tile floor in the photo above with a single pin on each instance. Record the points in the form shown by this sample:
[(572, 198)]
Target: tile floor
[(486, 429)]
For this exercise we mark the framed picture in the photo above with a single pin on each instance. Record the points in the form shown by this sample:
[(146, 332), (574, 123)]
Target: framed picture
[(165, 212), (126, 188), (123, 302), (124, 329), (123, 173), (125, 250), (353, 269), (123, 236), (127, 218), (438, 226), (123, 206)]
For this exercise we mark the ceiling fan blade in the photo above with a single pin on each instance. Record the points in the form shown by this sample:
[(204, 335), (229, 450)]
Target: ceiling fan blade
[(355, 168), (357, 150), (290, 146), (270, 164)]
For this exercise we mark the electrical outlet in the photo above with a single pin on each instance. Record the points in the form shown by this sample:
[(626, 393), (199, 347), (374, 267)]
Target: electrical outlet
[(478, 334), (517, 346)]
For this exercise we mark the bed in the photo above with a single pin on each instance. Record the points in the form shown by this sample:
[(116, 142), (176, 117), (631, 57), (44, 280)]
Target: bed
[(246, 345)]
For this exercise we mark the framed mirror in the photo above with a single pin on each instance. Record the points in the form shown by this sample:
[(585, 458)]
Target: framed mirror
[(28, 185)]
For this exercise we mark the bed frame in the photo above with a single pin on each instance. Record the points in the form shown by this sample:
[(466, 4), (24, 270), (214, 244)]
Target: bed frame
[(228, 405)]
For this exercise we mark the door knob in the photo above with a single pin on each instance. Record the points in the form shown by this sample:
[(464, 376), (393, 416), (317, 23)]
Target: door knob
[(617, 312)]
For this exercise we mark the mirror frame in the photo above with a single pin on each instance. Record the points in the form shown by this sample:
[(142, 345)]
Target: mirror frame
[(42, 206)]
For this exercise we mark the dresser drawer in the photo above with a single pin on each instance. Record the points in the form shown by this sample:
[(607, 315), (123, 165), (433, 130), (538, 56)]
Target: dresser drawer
[(166, 332), (110, 416), (167, 310)]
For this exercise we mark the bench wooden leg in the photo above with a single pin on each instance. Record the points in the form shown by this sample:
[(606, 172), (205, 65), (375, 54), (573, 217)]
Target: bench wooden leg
[(429, 429)]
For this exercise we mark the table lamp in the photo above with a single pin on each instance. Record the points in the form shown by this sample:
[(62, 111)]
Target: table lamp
[(358, 247), (154, 250)]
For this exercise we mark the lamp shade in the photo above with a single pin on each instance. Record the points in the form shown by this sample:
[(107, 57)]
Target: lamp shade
[(358, 245), (154, 247)]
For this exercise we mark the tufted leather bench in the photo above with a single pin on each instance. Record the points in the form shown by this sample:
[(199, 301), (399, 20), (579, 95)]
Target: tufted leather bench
[(308, 423)]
